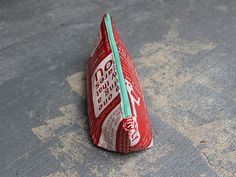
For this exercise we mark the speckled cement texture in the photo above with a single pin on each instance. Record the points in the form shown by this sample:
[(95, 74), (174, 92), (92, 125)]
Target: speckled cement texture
[(185, 53)]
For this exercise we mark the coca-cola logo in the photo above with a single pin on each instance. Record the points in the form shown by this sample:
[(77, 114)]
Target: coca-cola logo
[(132, 127)]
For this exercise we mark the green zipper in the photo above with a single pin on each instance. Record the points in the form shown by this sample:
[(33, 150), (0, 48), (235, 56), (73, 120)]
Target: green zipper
[(125, 104)]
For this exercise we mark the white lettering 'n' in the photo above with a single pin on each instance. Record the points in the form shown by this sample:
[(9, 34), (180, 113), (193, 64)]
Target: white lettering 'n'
[(104, 84)]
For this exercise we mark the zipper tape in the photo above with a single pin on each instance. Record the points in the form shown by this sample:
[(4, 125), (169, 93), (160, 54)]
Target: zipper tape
[(125, 104)]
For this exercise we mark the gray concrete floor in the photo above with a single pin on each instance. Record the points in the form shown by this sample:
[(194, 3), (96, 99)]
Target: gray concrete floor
[(185, 55)]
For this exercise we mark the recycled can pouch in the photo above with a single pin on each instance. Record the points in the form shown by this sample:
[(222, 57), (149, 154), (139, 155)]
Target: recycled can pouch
[(117, 112)]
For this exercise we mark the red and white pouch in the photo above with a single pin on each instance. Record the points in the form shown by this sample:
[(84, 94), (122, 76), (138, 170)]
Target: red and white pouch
[(117, 113)]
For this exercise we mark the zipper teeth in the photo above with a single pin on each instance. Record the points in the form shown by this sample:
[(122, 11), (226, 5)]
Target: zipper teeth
[(121, 80)]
